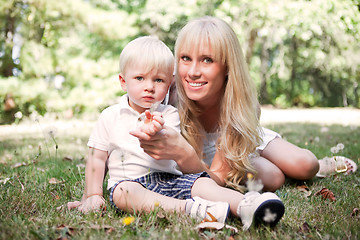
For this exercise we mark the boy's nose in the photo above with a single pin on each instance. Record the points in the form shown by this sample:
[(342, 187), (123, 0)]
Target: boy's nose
[(149, 85)]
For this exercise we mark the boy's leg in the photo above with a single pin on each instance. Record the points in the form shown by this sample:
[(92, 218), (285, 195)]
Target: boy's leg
[(264, 208), (207, 188), (132, 196)]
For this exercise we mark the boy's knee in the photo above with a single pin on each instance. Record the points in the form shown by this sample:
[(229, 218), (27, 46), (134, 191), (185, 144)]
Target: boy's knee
[(122, 192)]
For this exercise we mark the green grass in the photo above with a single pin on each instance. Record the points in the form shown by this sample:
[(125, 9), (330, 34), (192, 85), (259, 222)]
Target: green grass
[(28, 201)]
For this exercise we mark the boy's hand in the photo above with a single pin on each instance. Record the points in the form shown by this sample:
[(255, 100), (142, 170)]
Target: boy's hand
[(92, 203), (153, 123)]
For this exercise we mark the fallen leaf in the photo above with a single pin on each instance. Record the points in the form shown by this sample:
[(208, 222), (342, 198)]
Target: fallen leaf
[(214, 226), (20, 164), (70, 159), (55, 181), (304, 189), (326, 194), (65, 230), (16, 165), (4, 181), (106, 228), (305, 228), (355, 212), (160, 215)]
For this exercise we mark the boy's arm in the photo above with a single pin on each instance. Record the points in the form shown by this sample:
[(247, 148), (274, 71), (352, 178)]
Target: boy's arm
[(94, 176)]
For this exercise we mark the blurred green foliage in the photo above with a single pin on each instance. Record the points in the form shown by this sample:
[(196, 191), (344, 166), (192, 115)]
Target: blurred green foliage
[(62, 56)]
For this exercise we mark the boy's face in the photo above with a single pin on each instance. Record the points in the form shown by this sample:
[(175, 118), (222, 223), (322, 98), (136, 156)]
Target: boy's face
[(145, 88)]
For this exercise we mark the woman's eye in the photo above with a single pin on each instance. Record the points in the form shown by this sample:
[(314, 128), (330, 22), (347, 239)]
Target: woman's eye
[(208, 60), (185, 58), (139, 78)]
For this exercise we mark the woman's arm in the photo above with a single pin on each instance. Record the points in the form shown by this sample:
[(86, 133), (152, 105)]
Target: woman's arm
[(219, 168)]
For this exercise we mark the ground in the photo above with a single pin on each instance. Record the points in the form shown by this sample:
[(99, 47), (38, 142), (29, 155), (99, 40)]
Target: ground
[(269, 115)]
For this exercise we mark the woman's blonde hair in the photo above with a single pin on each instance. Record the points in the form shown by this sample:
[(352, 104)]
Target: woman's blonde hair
[(147, 50), (238, 124)]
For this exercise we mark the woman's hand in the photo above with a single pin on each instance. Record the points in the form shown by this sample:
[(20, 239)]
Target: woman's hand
[(169, 144), (162, 145)]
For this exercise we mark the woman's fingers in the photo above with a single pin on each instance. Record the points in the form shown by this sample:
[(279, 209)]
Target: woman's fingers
[(140, 135)]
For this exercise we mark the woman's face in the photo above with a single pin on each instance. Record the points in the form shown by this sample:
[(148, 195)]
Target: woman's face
[(202, 77)]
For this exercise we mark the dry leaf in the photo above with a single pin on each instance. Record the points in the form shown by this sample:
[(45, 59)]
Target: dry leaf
[(55, 181), (4, 181), (355, 212), (214, 226), (67, 158), (326, 194), (305, 228), (304, 189), (65, 230), (16, 165), (20, 164), (106, 228)]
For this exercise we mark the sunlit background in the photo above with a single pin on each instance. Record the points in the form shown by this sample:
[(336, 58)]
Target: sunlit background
[(61, 57)]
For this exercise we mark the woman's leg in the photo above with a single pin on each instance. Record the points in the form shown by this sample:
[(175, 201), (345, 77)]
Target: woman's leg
[(132, 196), (294, 162), (270, 175)]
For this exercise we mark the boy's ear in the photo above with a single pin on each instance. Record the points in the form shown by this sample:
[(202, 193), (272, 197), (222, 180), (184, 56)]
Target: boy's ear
[(122, 82)]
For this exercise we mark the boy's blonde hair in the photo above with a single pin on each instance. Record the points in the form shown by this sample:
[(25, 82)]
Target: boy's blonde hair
[(147, 50), (238, 124)]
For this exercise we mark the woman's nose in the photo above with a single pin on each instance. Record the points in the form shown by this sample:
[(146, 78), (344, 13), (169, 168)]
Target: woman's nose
[(194, 70)]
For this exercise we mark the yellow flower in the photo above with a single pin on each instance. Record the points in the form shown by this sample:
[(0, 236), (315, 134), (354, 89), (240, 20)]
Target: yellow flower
[(250, 176), (156, 204), (128, 220)]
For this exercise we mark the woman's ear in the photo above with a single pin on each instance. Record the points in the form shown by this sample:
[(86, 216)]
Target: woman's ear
[(122, 82)]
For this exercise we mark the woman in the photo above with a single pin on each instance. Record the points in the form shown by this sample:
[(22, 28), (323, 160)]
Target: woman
[(218, 105)]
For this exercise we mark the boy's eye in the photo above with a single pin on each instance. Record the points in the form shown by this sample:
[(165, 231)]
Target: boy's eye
[(159, 80), (139, 78), (208, 60)]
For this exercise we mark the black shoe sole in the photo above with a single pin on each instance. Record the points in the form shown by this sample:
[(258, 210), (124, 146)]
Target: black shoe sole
[(269, 207)]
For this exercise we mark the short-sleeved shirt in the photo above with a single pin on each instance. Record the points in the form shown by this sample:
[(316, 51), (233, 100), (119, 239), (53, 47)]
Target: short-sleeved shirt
[(209, 146), (126, 159)]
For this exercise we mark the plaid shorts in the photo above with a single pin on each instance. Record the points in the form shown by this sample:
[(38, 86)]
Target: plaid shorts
[(176, 186)]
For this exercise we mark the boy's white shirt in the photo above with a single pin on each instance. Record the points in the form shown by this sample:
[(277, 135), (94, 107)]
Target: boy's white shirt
[(127, 160)]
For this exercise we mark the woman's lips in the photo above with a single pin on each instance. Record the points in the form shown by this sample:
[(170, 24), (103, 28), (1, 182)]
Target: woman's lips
[(196, 84)]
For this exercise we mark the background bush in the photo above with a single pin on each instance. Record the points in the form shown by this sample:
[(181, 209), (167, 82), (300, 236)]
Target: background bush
[(64, 56)]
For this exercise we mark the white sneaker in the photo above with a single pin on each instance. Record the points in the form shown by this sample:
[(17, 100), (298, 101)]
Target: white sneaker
[(265, 208), (208, 211)]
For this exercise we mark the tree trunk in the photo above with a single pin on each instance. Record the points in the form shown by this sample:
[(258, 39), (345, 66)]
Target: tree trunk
[(251, 43), (264, 95), (294, 47), (8, 63)]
